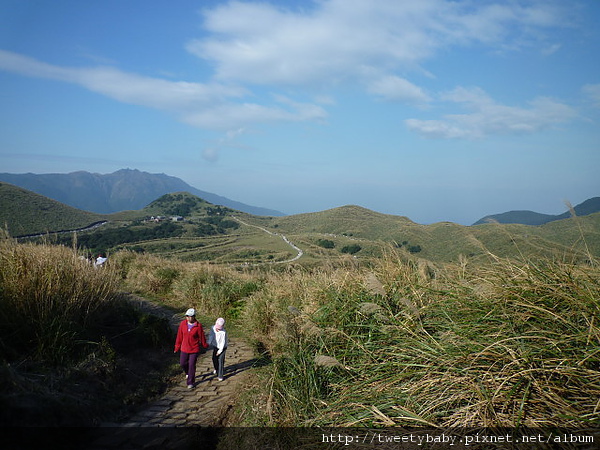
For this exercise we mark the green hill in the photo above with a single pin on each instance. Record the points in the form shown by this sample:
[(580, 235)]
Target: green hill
[(589, 206), (23, 212), (123, 190), (189, 228), (446, 241), (346, 220)]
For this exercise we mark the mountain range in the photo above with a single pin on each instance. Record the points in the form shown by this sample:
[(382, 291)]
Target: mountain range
[(125, 189), (589, 206), (131, 189)]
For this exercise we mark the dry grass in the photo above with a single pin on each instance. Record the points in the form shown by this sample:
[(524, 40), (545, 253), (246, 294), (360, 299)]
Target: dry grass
[(213, 290), (48, 293), (511, 344), (73, 351)]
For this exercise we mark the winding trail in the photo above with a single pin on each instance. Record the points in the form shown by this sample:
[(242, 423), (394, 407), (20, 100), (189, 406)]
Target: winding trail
[(207, 405), (299, 251)]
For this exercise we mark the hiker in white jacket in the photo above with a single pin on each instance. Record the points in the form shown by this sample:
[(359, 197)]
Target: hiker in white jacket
[(217, 339)]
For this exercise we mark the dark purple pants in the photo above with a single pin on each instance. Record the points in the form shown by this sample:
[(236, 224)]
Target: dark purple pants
[(187, 361)]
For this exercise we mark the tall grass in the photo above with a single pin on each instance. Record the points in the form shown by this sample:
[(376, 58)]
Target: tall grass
[(405, 343), (73, 350), (49, 297), (210, 289)]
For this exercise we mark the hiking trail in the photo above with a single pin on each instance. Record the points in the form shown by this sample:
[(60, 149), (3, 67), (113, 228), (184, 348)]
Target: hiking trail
[(207, 405)]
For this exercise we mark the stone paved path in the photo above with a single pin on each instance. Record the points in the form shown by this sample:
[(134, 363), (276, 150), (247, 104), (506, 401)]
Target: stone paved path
[(206, 405)]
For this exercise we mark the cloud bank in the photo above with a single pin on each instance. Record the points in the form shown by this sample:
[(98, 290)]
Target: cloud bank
[(371, 45), (337, 40), (487, 117)]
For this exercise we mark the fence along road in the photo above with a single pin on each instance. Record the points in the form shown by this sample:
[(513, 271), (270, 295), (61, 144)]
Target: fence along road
[(299, 251)]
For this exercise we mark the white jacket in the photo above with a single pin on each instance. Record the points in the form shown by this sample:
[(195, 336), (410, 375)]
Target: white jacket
[(218, 339)]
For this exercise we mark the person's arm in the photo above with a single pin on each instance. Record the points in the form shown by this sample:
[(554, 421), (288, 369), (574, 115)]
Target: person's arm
[(202, 337), (178, 340), (211, 338), (221, 342)]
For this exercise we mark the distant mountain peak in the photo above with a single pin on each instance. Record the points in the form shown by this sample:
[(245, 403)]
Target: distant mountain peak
[(588, 207), (125, 189)]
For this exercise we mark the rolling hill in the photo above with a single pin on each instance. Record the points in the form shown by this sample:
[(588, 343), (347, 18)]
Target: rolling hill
[(446, 241), (24, 212), (223, 235), (122, 190)]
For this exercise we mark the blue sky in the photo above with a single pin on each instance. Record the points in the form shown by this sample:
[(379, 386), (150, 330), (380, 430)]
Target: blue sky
[(436, 110)]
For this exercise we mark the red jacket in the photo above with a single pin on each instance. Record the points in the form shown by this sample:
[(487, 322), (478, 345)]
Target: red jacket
[(190, 341)]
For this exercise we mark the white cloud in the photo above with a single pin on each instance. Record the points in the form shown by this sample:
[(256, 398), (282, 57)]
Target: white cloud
[(364, 42), (592, 92), (550, 50), (490, 118), (346, 39), (228, 140), (206, 105), (126, 87), (393, 88)]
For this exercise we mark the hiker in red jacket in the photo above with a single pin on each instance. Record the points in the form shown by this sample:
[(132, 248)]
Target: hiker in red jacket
[(190, 340)]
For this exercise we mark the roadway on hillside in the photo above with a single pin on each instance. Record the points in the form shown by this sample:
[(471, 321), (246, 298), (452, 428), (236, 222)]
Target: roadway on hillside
[(86, 228), (299, 251)]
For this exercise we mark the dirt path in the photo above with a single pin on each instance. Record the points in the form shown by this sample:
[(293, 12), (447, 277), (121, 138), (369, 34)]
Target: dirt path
[(207, 405), (299, 251)]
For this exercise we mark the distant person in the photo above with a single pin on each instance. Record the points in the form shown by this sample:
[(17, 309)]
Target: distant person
[(100, 260), (190, 340), (218, 341)]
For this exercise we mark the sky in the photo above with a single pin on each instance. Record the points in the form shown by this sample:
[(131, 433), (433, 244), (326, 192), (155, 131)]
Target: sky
[(436, 110)]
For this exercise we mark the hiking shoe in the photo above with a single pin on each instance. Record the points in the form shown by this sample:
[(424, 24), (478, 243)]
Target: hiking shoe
[(190, 386), (214, 372), (220, 379)]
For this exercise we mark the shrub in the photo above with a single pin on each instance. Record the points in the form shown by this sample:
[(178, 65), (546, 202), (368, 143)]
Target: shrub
[(326, 243), (351, 249)]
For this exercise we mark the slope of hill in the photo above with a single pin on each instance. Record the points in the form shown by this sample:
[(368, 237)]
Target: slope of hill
[(444, 241), (350, 220), (589, 206), (24, 212), (211, 232), (124, 189)]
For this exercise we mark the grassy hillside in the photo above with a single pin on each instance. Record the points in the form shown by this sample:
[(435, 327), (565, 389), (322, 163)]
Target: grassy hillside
[(505, 345), (24, 212), (86, 354), (222, 235), (446, 241), (577, 237), (346, 220)]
